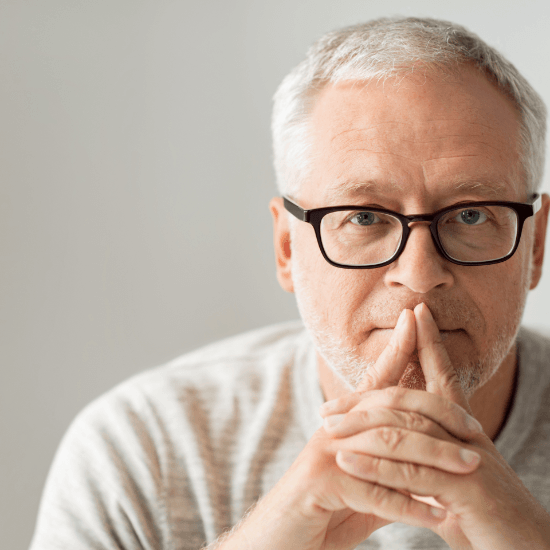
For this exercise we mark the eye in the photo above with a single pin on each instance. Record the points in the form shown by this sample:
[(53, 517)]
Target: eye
[(365, 218), (471, 217)]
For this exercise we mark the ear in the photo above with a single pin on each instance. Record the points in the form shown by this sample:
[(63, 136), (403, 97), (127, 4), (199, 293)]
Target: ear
[(281, 240), (541, 220)]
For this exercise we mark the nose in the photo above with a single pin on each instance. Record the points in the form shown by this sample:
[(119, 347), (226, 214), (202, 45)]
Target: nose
[(420, 267)]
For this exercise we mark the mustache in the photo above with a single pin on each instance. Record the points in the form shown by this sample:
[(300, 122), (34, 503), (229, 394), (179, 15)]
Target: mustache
[(449, 313)]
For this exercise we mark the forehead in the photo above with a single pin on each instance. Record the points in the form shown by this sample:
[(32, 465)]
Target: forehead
[(423, 136)]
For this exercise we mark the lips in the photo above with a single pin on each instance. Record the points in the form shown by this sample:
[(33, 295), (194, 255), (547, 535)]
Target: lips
[(440, 330), (445, 333)]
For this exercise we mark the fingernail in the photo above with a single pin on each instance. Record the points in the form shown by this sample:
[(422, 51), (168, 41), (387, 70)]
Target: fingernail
[(438, 512), (473, 424), (469, 457), (333, 420), (425, 310), (401, 320)]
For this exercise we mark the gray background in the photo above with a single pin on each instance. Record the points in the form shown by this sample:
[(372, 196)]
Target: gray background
[(135, 175)]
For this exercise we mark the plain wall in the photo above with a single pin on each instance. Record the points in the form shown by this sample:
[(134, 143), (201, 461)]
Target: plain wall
[(135, 175)]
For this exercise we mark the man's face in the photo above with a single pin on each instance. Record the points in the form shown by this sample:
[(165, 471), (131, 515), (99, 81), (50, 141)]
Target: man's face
[(413, 146)]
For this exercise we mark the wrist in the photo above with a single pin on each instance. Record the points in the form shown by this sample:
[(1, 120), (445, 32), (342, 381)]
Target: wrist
[(278, 521)]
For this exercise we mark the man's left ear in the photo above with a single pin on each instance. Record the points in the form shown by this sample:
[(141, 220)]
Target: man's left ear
[(541, 221)]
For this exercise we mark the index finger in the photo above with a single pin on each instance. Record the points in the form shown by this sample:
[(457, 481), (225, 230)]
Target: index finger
[(441, 377), (387, 370), (390, 365)]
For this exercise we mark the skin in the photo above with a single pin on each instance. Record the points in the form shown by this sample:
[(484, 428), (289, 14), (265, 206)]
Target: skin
[(421, 144), (404, 393)]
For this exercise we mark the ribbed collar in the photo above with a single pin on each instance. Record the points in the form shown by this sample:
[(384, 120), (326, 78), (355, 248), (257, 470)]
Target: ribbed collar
[(533, 378)]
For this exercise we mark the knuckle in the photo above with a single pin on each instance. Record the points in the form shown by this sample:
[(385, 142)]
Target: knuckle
[(378, 496), (370, 379), (408, 508), (409, 471), (438, 341), (390, 437), (394, 346), (365, 417), (395, 395), (416, 422), (373, 465), (450, 377)]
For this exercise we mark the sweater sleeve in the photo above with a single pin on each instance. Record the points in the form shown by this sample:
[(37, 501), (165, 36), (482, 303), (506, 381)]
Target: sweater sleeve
[(105, 487)]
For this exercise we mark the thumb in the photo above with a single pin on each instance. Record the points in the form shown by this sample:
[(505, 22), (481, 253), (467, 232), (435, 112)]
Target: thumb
[(441, 377)]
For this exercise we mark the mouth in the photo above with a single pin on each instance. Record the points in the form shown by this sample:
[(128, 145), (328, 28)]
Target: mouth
[(445, 333)]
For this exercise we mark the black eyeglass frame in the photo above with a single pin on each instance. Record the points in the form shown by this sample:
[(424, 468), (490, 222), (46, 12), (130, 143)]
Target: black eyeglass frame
[(315, 215)]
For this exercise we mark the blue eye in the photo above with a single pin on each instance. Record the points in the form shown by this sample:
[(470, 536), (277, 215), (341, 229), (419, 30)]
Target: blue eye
[(366, 218), (471, 217)]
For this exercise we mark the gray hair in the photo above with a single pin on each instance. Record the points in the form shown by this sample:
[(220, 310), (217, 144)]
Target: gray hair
[(383, 48)]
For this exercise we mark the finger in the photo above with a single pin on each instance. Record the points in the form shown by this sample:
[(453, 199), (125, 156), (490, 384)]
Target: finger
[(447, 414), (412, 447), (371, 498), (441, 377), (390, 365), (387, 370), (422, 483), (362, 420), (341, 404)]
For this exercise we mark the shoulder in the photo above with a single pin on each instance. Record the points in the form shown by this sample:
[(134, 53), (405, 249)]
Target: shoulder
[(154, 444), (534, 347), (144, 427), (239, 367)]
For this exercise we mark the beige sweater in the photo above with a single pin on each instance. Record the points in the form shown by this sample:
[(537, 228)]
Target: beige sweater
[(175, 455)]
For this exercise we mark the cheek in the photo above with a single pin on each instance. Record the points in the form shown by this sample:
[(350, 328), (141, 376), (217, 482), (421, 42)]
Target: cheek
[(348, 293), (341, 297), (499, 293)]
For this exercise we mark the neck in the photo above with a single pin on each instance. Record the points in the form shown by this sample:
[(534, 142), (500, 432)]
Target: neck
[(491, 404)]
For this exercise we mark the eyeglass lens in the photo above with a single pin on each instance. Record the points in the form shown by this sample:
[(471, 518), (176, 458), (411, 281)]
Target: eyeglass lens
[(472, 234)]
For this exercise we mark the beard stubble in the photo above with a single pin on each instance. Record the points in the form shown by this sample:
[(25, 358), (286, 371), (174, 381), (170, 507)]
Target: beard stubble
[(350, 367)]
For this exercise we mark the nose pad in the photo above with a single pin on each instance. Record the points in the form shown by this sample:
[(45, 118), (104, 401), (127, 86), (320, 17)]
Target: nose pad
[(421, 267)]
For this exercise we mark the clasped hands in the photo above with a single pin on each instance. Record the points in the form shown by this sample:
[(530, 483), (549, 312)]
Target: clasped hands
[(422, 457)]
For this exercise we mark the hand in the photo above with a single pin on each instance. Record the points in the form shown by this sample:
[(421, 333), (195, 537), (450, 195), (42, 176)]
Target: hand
[(487, 507), (317, 505)]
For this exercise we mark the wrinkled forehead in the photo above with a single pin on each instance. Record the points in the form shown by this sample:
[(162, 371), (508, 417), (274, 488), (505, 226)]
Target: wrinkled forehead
[(409, 131)]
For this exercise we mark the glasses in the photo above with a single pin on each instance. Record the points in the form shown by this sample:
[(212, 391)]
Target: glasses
[(473, 233)]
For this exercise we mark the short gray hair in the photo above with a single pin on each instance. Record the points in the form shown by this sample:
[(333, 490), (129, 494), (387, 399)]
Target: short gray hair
[(383, 48)]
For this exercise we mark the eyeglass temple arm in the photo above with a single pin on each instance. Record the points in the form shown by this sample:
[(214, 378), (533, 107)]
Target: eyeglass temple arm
[(295, 210), (537, 203)]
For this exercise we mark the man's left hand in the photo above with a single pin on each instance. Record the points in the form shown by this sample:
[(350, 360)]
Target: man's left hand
[(486, 509)]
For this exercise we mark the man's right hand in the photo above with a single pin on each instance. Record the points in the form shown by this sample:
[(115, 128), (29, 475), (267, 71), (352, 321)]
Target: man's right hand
[(317, 506)]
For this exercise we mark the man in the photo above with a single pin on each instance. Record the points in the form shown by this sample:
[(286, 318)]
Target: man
[(414, 150)]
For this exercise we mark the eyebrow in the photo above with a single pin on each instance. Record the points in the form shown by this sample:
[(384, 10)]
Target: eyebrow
[(355, 189)]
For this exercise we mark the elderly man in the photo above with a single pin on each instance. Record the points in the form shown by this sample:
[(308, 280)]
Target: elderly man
[(408, 154)]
